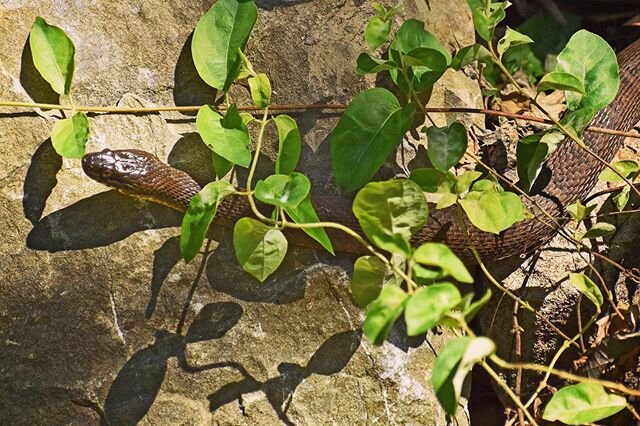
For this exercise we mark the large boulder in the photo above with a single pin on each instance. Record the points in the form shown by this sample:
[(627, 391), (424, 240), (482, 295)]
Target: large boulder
[(100, 319)]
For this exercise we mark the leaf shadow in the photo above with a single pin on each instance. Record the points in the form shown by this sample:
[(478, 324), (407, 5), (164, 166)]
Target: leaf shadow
[(189, 88), (330, 358), (136, 386), (36, 87), (40, 180)]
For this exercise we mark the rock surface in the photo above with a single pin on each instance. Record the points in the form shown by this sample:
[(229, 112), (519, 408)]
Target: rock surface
[(100, 320)]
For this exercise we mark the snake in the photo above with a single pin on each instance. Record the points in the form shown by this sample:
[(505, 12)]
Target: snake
[(568, 175)]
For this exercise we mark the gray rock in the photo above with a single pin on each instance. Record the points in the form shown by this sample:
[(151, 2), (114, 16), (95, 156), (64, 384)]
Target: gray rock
[(101, 320)]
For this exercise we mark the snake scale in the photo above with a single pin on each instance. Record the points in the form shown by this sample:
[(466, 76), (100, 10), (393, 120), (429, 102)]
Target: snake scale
[(568, 175)]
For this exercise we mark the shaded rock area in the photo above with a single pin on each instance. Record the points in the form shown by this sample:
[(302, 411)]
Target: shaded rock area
[(100, 320)]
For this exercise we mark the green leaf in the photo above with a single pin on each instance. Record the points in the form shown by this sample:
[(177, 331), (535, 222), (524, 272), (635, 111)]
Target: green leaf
[(367, 133), (368, 278), (531, 153), (260, 88), (622, 198), (227, 136), (367, 64), (305, 213), (599, 229), (446, 145), (219, 35), (579, 212), (383, 313), (582, 403), (434, 180), (377, 32), (471, 310), (380, 9), (289, 144), (591, 60), (625, 167), (220, 165), (52, 52), (259, 248), (493, 211), (452, 366), (465, 180), (558, 80), (587, 287), (285, 191), (511, 38), (201, 211), (469, 54), (428, 306), (246, 68), (69, 136), (412, 37), (390, 213), (578, 120), (441, 256), (440, 184), (485, 20)]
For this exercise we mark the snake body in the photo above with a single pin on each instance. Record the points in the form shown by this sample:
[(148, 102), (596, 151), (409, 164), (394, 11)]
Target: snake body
[(568, 175)]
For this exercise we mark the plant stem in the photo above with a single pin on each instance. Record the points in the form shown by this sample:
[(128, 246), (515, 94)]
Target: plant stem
[(564, 375), (295, 107), (508, 391)]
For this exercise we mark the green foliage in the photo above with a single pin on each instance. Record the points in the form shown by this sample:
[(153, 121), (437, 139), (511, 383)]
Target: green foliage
[(260, 87), (582, 403), (531, 154), (511, 38), (558, 80), (201, 211), (452, 366), (383, 313), (587, 287), (289, 144), (426, 57), (447, 145), (52, 52), (69, 136), (428, 306), (441, 256), (227, 136), (260, 249), (469, 54), (599, 229), (220, 35), (368, 131), (487, 16), (286, 191), (368, 278), (579, 212), (379, 26), (627, 168), (390, 213), (305, 213), (490, 209), (593, 62)]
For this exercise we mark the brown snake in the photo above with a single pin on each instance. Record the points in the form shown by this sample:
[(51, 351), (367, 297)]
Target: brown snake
[(568, 175)]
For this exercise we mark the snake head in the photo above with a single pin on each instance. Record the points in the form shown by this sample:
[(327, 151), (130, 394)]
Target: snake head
[(120, 169)]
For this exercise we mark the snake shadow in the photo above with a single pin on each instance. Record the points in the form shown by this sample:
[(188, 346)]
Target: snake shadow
[(330, 358), (98, 221), (136, 386)]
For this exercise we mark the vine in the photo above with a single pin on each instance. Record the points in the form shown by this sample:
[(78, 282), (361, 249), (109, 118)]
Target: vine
[(394, 279)]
